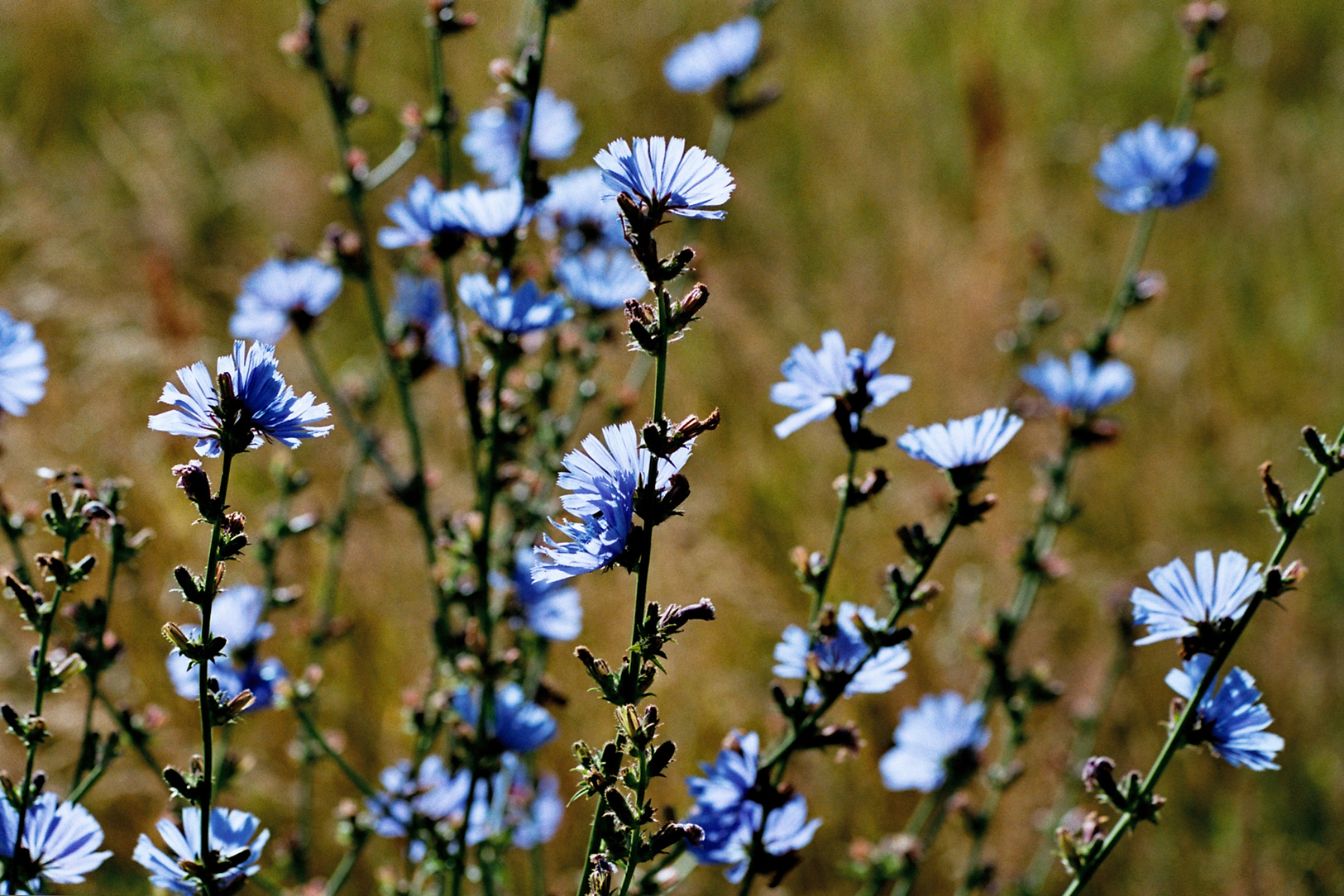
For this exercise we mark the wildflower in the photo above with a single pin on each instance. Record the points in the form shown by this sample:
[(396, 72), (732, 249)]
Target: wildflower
[(601, 278), (708, 58), (1154, 167), (786, 830), (509, 309), (730, 777), (940, 737), (250, 405), (494, 134), (817, 383), (519, 724), (602, 477), (23, 366), (1079, 384), (236, 617), (430, 793), (280, 293), (231, 832), (416, 301), (962, 444), (1232, 720), (60, 842), (579, 212), (418, 218), (1183, 606), (487, 214), (535, 809), (551, 610), (666, 176), (842, 655)]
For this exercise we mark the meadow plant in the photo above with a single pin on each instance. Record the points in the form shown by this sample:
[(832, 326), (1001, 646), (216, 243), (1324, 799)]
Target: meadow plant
[(513, 289)]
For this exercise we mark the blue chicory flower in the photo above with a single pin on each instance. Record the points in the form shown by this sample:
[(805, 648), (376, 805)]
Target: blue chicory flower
[(23, 366), (962, 444), (842, 654), (61, 841), (495, 133), (536, 809), (708, 58), (601, 477), (236, 617), (1154, 166), (601, 278), (579, 212), (418, 218), (786, 830), (1080, 384), (511, 309), (667, 177), (550, 609), (280, 293), (940, 736), (729, 778), (1183, 605), (487, 214), (519, 724), (1232, 720), (816, 382), (417, 301), (231, 831), (256, 405), (430, 793)]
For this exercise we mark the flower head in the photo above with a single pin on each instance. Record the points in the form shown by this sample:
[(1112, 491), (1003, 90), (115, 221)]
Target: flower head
[(962, 444), (519, 724), (1080, 384), (730, 777), (245, 405), (416, 301), (601, 278), (60, 842), (510, 309), (816, 382), (710, 57), (602, 476), (487, 214), (550, 609), (579, 212), (729, 840), (231, 832), (667, 176), (494, 134), (418, 218), (429, 792), (1154, 166), (236, 616), (1232, 720), (1183, 605), (840, 654), (535, 809), (940, 736), (23, 366), (280, 293)]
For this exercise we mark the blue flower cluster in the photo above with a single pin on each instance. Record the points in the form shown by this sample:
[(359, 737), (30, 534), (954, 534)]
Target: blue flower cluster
[(418, 304), (518, 724), (713, 56), (1154, 166), (495, 134), (551, 610), (236, 617), (428, 214), (60, 840), (512, 309), (941, 738), (842, 654), (231, 832)]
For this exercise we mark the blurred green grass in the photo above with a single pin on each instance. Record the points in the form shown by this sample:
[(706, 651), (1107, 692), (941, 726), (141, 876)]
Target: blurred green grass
[(156, 151)]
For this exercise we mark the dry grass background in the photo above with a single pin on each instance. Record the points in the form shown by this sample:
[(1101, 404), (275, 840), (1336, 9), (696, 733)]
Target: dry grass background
[(154, 152)]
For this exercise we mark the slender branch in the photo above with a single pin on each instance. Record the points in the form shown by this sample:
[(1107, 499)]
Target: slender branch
[(837, 533), (310, 728)]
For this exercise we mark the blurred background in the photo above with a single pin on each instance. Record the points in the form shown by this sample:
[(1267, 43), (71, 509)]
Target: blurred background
[(155, 152)]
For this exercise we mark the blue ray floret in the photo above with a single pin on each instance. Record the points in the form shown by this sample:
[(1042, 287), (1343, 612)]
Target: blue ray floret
[(23, 366), (961, 444), (494, 134), (730, 841), (600, 278), (550, 609), (579, 212), (417, 219), (487, 214), (601, 477), (518, 724), (510, 309), (841, 653), (1182, 604), (237, 618), (1080, 384), (416, 301), (708, 58), (939, 737), (255, 404), (60, 841), (1232, 720), (729, 778), (1154, 166), (280, 293), (816, 382), (231, 831), (667, 177)]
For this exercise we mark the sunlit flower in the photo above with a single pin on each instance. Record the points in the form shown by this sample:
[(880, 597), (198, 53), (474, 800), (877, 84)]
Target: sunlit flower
[(511, 309), (708, 58), (494, 134), (23, 366), (579, 211), (840, 654), (786, 830), (60, 842), (816, 382), (231, 832), (550, 609), (418, 218), (255, 404), (518, 723), (667, 176), (960, 444), (236, 616), (1232, 720), (1154, 166), (940, 736), (280, 293), (730, 777), (601, 278), (1214, 597), (488, 214), (416, 301), (1080, 384)]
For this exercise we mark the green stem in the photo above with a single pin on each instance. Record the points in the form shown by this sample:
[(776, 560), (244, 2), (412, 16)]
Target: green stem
[(14, 535), (837, 532), (1178, 733), (341, 876), (359, 781), (92, 674)]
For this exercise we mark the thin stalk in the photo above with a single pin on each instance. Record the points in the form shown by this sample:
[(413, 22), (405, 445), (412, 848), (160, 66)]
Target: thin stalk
[(92, 674), (141, 749), (837, 533), (14, 536), (341, 876), (1178, 733), (359, 781)]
